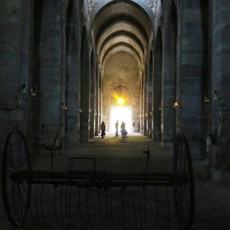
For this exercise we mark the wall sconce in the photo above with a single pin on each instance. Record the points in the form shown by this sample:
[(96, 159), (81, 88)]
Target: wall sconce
[(34, 91), (206, 99), (216, 96), (23, 88), (160, 107), (80, 110), (150, 113), (146, 115), (176, 104), (90, 111), (64, 106)]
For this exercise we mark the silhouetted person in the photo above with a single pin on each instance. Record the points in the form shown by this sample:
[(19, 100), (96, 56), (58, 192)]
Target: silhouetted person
[(102, 129), (116, 127), (134, 126), (123, 130), (138, 127)]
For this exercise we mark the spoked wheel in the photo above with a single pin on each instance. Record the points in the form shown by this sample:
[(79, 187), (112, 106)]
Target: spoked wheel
[(16, 191), (184, 185)]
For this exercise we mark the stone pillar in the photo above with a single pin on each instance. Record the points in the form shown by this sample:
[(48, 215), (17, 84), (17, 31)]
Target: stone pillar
[(15, 63), (169, 76), (145, 105), (191, 65), (157, 87), (150, 97), (97, 105), (92, 96), (50, 66), (221, 81), (72, 78), (85, 89)]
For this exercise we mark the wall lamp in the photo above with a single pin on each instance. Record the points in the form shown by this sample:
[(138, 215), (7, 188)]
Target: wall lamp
[(34, 91), (80, 110), (160, 108), (176, 104), (23, 88), (206, 99), (64, 106), (216, 96)]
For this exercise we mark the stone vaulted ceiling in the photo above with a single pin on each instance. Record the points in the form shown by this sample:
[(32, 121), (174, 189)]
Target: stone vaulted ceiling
[(122, 26), (122, 32)]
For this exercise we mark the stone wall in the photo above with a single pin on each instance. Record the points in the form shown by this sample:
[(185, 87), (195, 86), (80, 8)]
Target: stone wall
[(221, 82), (15, 62)]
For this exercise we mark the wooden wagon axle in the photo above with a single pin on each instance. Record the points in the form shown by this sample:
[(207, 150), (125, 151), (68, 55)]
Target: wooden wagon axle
[(99, 179)]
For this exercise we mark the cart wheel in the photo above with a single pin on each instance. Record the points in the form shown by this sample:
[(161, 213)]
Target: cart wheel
[(184, 185), (16, 191)]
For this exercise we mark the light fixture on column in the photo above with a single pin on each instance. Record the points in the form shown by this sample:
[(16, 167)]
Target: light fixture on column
[(34, 91), (23, 88), (160, 107), (176, 104), (64, 106), (206, 98), (216, 96), (80, 110)]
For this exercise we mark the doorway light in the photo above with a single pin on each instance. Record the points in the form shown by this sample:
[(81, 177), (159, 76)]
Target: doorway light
[(120, 101)]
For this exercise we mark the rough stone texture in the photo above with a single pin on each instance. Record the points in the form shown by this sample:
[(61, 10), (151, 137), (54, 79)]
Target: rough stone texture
[(14, 65), (220, 80), (50, 68), (191, 64)]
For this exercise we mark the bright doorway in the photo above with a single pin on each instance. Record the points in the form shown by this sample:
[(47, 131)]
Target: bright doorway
[(121, 113)]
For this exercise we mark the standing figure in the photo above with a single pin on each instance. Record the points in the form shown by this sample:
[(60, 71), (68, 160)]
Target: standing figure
[(102, 129), (116, 127), (134, 126), (138, 127), (123, 130)]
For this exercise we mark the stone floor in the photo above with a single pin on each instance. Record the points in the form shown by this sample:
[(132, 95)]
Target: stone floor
[(212, 200)]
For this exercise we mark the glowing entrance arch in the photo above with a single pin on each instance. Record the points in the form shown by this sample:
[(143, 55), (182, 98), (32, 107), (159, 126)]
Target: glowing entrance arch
[(121, 113)]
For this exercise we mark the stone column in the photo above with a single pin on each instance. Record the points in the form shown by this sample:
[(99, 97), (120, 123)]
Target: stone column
[(92, 96), (221, 82), (168, 80), (145, 105), (50, 66), (72, 82), (190, 76), (157, 88), (150, 97), (15, 63), (85, 89), (72, 76)]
